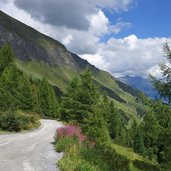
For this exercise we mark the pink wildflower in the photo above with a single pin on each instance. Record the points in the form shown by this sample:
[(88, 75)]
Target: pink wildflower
[(70, 131)]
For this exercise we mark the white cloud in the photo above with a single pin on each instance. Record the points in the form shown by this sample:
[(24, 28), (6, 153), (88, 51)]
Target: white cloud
[(130, 55), (131, 41), (99, 23), (119, 26), (155, 71), (67, 40), (116, 5), (71, 14), (127, 56)]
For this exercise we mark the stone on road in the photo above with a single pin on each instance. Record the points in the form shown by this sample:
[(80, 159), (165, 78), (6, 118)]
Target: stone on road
[(31, 151)]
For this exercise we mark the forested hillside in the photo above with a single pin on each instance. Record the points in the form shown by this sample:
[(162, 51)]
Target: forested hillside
[(98, 139), (40, 56), (22, 99), (109, 125)]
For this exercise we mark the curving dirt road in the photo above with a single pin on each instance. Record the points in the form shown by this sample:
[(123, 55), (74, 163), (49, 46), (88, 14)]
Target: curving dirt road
[(31, 151)]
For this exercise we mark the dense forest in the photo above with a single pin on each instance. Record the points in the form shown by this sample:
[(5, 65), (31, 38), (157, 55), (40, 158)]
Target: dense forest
[(23, 100), (102, 123)]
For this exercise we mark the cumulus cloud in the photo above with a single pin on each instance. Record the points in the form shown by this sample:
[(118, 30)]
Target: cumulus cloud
[(99, 23), (116, 5), (67, 40), (130, 56), (58, 19), (119, 26), (71, 14), (127, 56)]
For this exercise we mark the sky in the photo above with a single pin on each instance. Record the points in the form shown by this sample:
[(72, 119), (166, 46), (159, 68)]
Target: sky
[(123, 37)]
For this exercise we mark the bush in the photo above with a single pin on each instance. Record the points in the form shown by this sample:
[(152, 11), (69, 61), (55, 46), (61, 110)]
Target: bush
[(17, 121), (70, 131), (80, 156), (10, 121), (64, 144), (146, 166)]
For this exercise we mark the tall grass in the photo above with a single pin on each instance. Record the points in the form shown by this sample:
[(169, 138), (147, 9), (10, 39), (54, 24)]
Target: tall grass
[(80, 155)]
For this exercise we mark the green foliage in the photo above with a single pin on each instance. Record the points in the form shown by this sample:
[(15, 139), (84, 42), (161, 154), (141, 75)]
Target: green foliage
[(113, 119), (151, 132), (115, 124), (21, 92), (17, 121), (139, 141), (80, 104), (163, 116), (70, 105), (10, 121), (153, 136), (163, 85), (63, 144), (16, 88), (48, 101), (146, 166), (6, 57), (82, 157)]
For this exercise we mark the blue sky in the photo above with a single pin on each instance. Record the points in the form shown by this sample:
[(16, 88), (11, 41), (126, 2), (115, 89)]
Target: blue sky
[(123, 37), (149, 18)]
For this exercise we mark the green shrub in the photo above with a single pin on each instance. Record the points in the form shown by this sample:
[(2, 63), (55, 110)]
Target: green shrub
[(83, 157), (10, 121), (17, 121), (86, 166), (146, 166), (63, 144)]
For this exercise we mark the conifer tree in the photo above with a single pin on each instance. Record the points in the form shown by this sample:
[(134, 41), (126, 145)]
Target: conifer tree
[(48, 102), (70, 105), (91, 120), (115, 124), (6, 57), (82, 105), (163, 85), (139, 141)]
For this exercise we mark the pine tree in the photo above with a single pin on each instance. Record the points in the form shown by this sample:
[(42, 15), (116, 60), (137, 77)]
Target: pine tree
[(6, 57), (82, 105), (163, 116), (48, 102), (70, 105), (105, 107), (26, 101), (139, 141), (35, 98), (115, 124), (164, 85), (10, 83), (91, 120), (151, 129)]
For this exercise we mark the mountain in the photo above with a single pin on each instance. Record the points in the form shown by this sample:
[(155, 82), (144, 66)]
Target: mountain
[(141, 84), (40, 56)]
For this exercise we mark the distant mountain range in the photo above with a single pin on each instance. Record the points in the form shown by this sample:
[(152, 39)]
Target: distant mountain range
[(40, 56), (141, 84)]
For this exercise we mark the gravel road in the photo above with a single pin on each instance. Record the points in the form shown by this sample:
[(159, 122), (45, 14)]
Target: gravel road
[(30, 151)]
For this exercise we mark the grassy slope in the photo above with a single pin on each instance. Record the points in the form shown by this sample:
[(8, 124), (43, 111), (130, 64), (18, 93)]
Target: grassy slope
[(79, 157), (61, 76), (132, 156)]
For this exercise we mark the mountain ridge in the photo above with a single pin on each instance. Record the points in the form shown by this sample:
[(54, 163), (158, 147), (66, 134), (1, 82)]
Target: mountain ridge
[(141, 84), (43, 57)]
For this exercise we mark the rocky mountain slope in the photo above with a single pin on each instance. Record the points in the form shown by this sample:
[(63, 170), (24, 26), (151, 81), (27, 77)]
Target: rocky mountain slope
[(43, 57)]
